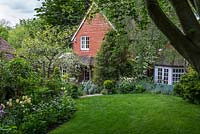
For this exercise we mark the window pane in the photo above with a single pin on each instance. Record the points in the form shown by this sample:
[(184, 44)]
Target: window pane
[(177, 72), (84, 42), (159, 77)]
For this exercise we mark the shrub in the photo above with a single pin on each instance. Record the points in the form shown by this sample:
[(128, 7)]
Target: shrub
[(89, 87), (59, 109), (162, 89), (109, 85), (104, 91), (72, 90), (139, 88), (22, 117), (55, 83), (189, 87), (17, 78), (41, 94), (147, 85), (126, 87)]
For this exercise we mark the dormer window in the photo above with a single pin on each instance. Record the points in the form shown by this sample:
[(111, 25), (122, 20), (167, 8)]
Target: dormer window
[(84, 43)]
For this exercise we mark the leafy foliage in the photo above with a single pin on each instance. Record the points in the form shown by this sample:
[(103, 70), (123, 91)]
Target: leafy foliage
[(88, 87), (62, 12), (72, 90), (109, 85), (189, 87), (126, 86), (24, 117), (3, 32), (112, 60), (44, 49), (4, 29), (126, 10), (26, 29), (17, 78), (54, 83), (72, 64), (144, 47)]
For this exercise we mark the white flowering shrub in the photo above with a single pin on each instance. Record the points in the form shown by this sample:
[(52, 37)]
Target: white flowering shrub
[(21, 116)]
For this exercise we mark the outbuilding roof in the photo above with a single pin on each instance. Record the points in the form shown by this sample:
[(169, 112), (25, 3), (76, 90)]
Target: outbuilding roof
[(170, 57)]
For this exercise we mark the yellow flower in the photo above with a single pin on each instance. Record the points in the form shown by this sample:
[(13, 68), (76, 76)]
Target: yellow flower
[(23, 97), (21, 102), (10, 100), (29, 101), (17, 100), (10, 105)]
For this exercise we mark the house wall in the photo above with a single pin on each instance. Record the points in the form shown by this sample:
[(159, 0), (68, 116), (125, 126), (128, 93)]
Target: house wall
[(95, 29)]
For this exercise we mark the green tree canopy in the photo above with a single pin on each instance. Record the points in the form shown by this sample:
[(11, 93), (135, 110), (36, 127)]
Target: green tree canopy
[(62, 12), (112, 61), (4, 29), (44, 48)]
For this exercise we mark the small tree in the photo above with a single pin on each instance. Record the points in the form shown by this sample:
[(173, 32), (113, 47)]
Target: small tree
[(112, 60), (44, 49), (54, 83)]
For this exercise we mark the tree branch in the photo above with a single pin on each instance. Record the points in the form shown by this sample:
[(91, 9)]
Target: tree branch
[(188, 20), (196, 5), (176, 37)]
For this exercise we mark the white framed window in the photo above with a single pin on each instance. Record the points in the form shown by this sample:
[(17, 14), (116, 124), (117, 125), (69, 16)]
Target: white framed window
[(84, 42), (162, 75), (177, 73), (159, 75), (166, 76)]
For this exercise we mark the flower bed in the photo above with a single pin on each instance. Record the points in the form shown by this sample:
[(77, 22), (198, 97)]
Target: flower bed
[(21, 116)]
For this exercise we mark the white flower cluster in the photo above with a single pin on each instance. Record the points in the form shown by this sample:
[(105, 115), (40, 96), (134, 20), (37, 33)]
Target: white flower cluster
[(24, 100)]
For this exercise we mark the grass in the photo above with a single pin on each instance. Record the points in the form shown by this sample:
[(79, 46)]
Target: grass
[(133, 114)]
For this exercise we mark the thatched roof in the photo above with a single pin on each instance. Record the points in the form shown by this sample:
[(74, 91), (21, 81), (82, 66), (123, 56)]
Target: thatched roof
[(170, 57), (5, 49)]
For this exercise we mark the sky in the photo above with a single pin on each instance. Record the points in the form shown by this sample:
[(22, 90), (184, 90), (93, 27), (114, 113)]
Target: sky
[(14, 10)]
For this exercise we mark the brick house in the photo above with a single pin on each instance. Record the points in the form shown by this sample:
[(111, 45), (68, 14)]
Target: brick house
[(88, 38)]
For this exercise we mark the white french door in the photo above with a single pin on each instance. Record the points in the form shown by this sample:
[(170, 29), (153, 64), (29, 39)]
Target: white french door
[(163, 75)]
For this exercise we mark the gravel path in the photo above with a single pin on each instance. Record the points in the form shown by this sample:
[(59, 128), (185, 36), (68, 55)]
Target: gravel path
[(91, 95)]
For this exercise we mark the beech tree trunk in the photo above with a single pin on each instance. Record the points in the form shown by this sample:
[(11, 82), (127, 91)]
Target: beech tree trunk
[(186, 42)]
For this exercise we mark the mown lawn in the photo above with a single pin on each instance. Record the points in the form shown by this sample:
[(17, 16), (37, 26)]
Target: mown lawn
[(133, 114)]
